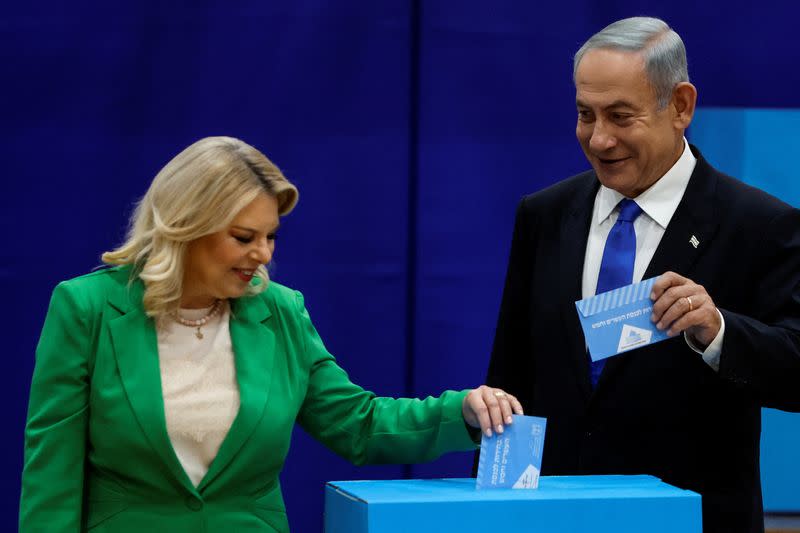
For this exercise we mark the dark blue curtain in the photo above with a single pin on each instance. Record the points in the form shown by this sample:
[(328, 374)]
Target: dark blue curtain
[(411, 128)]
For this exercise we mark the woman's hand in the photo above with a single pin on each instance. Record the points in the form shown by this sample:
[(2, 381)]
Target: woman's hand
[(489, 409)]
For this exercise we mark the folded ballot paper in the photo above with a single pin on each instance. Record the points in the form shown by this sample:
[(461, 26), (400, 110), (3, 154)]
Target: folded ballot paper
[(617, 321), (512, 459)]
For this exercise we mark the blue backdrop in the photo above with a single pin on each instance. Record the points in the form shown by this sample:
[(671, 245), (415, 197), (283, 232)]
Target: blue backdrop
[(411, 128)]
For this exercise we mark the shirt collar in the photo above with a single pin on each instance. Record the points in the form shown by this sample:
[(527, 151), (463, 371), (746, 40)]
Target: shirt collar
[(661, 200)]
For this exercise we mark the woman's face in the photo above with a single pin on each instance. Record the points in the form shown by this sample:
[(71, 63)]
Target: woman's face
[(221, 265)]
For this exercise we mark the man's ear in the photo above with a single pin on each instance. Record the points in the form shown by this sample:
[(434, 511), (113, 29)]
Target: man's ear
[(684, 99)]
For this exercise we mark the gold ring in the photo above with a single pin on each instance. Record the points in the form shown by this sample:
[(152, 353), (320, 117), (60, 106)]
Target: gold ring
[(499, 394), (691, 307)]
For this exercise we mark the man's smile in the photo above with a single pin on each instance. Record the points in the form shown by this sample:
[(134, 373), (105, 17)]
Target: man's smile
[(612, 161)]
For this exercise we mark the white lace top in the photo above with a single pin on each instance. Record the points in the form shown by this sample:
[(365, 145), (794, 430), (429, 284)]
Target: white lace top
[(198, 381)]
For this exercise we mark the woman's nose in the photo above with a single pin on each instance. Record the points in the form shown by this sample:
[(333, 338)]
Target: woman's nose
[(262, 253)]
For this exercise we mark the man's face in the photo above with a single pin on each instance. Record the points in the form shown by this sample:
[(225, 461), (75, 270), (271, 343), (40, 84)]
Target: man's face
[(629, 142)]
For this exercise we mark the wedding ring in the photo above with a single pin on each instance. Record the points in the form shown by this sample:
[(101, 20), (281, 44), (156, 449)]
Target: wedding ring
[(691, 307), (499, 394)]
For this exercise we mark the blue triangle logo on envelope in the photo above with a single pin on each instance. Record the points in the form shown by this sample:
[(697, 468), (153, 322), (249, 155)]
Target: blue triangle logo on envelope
[(633, 337), (529, 479)]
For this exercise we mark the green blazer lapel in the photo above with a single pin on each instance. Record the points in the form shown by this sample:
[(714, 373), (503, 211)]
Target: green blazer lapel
[(136, 350), (254, 352)]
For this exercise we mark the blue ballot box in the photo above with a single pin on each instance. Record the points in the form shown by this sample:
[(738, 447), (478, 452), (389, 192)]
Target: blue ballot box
[(561, 504)]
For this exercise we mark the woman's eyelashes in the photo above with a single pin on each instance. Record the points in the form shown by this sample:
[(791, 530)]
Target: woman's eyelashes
[(248, 239)]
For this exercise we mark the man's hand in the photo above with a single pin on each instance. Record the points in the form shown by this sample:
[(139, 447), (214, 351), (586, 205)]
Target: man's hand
[(489, 408), (680, 304)]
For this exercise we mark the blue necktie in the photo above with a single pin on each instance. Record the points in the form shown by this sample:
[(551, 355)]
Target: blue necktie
[(619, 255)]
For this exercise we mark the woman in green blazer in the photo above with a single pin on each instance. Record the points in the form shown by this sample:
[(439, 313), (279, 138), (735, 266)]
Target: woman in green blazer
[(166, 387)]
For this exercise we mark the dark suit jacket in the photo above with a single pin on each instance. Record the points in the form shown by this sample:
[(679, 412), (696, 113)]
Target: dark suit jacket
[(661, 409)]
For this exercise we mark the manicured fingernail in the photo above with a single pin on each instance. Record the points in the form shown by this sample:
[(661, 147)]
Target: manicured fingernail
[(509, 420), (488, 432), (660, 326), (499, 428), (652, 296)]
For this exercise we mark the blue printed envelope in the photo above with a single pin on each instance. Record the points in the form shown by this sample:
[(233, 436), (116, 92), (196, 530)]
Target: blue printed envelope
[(512, 459), (617, 321)]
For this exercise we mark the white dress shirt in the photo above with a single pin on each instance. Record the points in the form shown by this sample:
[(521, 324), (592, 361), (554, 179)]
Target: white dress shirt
[(658, 204)]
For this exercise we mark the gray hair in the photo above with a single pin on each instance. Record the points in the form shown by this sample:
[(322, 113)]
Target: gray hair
[(662, 49)]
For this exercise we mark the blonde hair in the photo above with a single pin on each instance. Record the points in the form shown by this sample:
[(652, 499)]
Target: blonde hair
[(198, 192)]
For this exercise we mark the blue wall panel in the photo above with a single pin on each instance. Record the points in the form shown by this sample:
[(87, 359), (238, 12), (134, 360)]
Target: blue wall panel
[(101, 96), (492, 126)]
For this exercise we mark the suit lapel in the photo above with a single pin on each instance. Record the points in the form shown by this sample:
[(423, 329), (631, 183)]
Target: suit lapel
[(575, 233), (136, 350), (692, 226), (254, 353), (689, 233)]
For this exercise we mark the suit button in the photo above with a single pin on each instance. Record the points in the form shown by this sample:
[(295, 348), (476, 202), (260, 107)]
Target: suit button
[(193, 503)]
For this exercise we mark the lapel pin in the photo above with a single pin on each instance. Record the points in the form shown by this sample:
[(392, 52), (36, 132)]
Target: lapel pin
[(694, 241)]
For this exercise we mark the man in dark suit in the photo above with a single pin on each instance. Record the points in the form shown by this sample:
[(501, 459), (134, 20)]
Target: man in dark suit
[(687, 409)]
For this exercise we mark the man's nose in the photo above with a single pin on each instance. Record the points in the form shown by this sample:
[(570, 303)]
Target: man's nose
[(602, 137)]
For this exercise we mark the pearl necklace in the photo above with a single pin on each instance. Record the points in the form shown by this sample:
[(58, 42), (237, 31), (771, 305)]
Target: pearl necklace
[(200, 322)]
